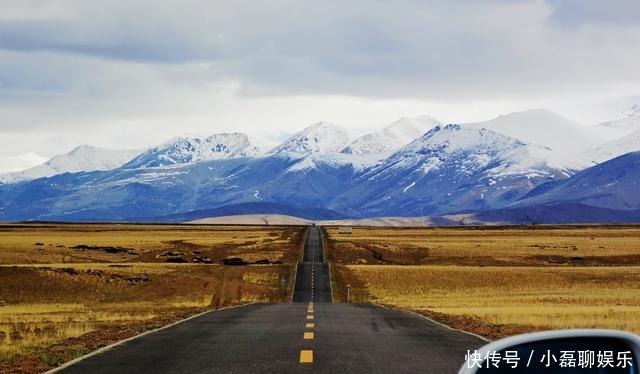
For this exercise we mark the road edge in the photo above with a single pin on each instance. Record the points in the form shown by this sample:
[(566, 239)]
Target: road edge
[(324, 259), (300, 259), (113, 345), (434, 321)]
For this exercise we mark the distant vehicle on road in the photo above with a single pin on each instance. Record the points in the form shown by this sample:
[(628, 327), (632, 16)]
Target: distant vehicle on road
[(345, 230)]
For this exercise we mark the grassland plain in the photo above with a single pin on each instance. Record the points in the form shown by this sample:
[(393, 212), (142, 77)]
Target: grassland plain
[(68, 289), (496, 281)]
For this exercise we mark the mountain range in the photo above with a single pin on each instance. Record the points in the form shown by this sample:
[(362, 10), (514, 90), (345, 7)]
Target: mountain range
[(10, 164), (518, 168), (81, 158)]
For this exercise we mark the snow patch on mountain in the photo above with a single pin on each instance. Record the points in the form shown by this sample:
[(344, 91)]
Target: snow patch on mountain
[(321, 137), (547, 129), (332, 160), (625, 144), (392, 137), (479, 149), (82, 158), (151, 176), (408, 187), (10, 164), (628, 122), (190, 149)]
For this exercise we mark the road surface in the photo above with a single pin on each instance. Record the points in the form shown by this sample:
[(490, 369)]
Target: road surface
[(306, 336), (312, 277)]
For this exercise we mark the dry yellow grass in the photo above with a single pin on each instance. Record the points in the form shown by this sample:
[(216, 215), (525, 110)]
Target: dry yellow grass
[(48, 304), (522, 278), (535, 296), (26, 327), (517, 246), (50, 292), (51, 243), (122, 267)]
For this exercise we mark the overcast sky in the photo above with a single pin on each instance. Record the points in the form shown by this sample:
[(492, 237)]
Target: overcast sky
[(131, 73)]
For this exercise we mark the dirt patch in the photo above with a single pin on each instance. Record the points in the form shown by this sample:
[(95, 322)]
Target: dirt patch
[(621, 260), (270, 252), (106, 249), (202, 260), (239, 261), (234, 261), (104, 276)]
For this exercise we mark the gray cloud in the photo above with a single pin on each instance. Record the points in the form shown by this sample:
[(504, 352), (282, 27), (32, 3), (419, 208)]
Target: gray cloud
[(576, 13), (400, 48), (73, 65)]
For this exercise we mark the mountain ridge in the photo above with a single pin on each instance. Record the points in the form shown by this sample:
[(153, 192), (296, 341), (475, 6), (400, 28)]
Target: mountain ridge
[(321, 137), (453, 169), (189, 149), (80, 159), (394, 136)]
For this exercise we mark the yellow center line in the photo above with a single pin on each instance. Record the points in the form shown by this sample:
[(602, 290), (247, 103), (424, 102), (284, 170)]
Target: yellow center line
[(306, 356), (310, 325), (308, 335), (310, 317)]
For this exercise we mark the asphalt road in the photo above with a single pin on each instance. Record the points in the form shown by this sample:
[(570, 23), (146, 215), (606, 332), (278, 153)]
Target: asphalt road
[(319, 337), (312, 277)]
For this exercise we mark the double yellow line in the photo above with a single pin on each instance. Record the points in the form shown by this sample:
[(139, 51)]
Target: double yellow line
[(306, 355)]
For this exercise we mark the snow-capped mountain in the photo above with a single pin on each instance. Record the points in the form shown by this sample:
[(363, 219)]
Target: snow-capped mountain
[(321, 137), (545, 128), (627, 130), (9, 164), (82, 158), (627, 123), (452, 168), (517, 156), (145, 193), (333, 160), (625, 144), (185, 150), (446, 171), (392, 137)]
